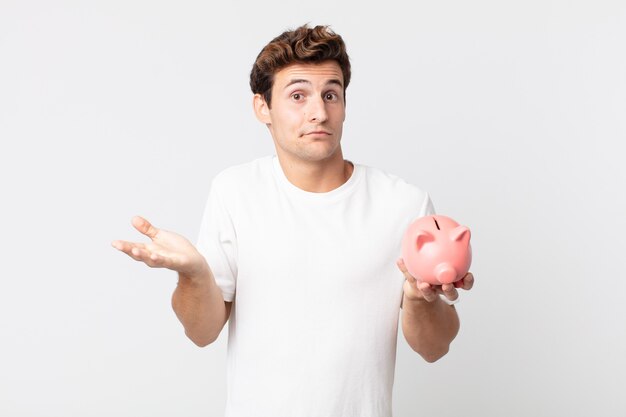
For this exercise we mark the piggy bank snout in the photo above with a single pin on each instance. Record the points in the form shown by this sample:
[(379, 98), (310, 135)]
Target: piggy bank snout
[(445, 273)]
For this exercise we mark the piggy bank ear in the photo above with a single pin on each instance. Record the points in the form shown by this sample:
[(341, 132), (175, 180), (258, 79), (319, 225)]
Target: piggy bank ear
[(459, 233), (422, 237)]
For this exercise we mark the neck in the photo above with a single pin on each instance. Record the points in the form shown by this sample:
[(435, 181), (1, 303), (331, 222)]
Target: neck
[(317, 176)]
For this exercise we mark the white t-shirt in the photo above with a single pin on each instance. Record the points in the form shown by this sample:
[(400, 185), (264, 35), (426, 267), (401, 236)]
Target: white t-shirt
[(316, 289)]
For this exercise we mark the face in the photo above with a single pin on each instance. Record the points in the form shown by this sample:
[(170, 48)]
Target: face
[(307, 113)]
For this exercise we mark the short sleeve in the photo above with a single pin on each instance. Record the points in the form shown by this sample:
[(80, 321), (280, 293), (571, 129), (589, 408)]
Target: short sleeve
[(217, 242)]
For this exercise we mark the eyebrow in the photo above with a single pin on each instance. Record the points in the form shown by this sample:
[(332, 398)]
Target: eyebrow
[(332, 81)]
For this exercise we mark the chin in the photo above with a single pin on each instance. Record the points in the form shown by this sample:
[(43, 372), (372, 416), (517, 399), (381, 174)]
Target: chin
[(318, 157), (321, 150)]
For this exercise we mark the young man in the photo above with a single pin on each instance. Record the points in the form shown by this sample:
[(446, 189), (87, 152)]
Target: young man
[(299, 251)]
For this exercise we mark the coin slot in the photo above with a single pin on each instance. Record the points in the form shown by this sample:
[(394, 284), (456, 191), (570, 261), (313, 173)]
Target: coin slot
[(437, 224)]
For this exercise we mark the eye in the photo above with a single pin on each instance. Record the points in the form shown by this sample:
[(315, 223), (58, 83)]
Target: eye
[(296, 96), (332, 96)]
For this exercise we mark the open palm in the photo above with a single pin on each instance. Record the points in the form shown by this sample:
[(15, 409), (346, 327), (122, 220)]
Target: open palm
[(166, 249)]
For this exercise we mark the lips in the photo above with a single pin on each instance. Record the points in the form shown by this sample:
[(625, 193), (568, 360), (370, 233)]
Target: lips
[(317, 132)]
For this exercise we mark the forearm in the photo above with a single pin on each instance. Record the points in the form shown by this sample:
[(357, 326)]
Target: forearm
[(200, 307), (429, 327)]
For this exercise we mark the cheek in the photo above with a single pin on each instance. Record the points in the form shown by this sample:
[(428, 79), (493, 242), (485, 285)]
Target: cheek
[(338, 109), (340, 115), (290, 118)]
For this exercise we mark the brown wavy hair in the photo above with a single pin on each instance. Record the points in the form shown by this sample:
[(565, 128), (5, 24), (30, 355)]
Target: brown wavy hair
[(303, 45)]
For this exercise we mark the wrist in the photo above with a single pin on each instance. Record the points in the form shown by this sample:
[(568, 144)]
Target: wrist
[(196, 276), (418, 301)]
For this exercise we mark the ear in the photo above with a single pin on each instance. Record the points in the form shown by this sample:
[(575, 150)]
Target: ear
[(261, 109), (460, 232), (422, 236)]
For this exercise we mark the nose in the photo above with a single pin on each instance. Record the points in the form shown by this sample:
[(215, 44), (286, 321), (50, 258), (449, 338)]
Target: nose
[(316, 111)]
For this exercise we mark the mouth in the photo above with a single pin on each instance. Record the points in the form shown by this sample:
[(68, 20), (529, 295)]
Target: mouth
[(317, 133)]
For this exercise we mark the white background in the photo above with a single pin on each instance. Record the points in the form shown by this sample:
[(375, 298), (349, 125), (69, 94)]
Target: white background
[(510, 114)]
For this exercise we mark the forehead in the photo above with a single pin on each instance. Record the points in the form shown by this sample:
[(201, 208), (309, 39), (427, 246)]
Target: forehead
[(318, 72)]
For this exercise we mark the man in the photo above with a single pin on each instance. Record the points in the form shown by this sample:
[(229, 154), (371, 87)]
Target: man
[(297, 250)]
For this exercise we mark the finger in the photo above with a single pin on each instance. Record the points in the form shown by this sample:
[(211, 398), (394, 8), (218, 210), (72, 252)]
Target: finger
[(152, 259), (158, 260), (407, 274), (428, 292), (144, 226), (401, 265), (450, 292), (134, 252), (468, 281), (126, 247), (143, 253), (140, 254)]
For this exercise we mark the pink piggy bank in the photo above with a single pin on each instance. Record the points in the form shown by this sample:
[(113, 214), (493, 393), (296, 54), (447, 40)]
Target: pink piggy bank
[(436, 249)]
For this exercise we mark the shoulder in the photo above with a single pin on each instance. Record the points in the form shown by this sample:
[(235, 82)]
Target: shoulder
[(386, 182), (236, 178), (243, 171), (397, 195)]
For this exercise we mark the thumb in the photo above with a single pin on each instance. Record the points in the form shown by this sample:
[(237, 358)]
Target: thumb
[(144, 226)]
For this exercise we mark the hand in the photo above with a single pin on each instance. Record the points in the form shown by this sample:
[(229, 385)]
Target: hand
[(167, 250), (416, 290)]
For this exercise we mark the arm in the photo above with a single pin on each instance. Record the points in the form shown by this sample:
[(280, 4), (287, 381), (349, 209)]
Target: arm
[(429, 326), (197, 300), (198, 304), (428, 323)]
